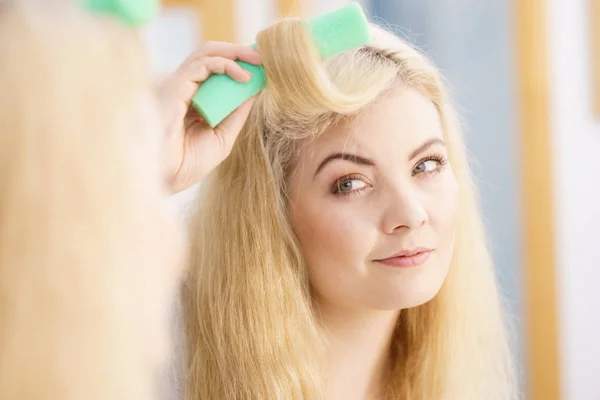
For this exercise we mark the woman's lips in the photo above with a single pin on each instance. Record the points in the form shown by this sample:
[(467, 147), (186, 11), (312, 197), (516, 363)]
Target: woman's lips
[(411, 259)]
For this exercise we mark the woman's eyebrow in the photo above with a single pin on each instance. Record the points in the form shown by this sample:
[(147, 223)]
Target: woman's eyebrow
[(426, 145), (356, 159)]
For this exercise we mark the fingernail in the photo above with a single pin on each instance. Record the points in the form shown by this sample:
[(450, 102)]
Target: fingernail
[(257, 54)]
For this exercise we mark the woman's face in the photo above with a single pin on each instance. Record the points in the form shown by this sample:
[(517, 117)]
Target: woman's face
[(374, 203)]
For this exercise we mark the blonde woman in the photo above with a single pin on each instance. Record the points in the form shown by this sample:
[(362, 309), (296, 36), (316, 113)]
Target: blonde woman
[(90, 257), (338, 251)]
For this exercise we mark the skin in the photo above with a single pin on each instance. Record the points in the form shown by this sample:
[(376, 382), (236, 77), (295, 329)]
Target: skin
[(393, 191)]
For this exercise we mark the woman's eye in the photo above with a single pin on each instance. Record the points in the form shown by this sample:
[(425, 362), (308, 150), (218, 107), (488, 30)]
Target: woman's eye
[(349, 185), (426, 166)]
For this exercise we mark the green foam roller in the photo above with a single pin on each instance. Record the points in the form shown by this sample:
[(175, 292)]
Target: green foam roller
[(132, 12), (333, 33)]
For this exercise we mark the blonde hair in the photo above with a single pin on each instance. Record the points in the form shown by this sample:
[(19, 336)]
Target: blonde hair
[(251, 329), (83, 299)]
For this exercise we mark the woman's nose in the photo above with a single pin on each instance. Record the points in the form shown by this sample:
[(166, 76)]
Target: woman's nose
[(404, 209)]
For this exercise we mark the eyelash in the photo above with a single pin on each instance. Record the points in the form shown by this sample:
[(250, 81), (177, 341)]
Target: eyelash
[(335, 189), (439, 158)]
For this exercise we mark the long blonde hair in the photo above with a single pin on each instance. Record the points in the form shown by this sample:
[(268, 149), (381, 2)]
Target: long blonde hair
[(251, 329), (83, 296)]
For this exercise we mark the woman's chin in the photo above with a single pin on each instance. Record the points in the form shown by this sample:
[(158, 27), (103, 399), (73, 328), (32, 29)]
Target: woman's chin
[(408, 297)]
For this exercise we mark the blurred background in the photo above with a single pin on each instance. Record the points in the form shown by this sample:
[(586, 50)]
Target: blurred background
[(526, 77)]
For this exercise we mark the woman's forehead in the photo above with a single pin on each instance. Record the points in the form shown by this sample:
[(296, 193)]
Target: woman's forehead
[(395, 124)]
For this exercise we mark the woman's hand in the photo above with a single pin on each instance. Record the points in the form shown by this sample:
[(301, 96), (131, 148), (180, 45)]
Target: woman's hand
[(193, 148)]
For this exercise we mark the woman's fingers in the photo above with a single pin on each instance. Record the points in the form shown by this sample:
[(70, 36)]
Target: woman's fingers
[(225, 50), (185, 83), (229, 129)]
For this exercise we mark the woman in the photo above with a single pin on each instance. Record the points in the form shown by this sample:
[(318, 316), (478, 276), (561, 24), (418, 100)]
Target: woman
[(90, 256), (338, 251)]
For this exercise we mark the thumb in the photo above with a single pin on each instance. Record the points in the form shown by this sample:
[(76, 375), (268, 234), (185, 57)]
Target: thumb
[(231, 126)]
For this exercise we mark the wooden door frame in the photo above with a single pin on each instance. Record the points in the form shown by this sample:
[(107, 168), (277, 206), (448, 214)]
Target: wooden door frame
[(539, 264)]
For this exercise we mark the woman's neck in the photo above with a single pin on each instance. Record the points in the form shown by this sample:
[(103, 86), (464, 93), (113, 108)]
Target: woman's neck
[(359, 343)]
